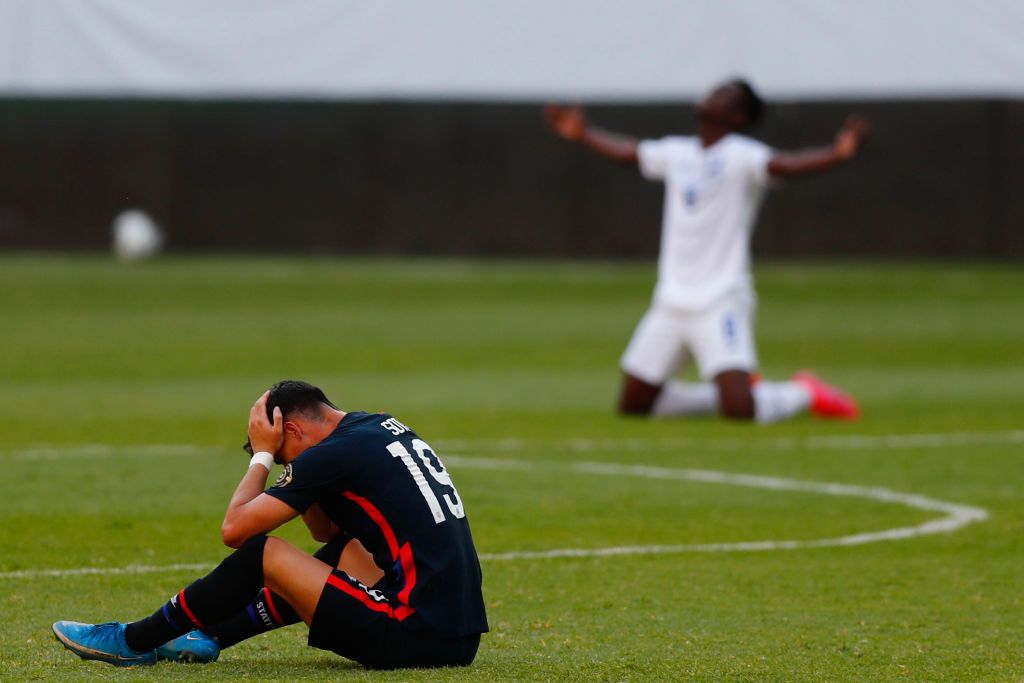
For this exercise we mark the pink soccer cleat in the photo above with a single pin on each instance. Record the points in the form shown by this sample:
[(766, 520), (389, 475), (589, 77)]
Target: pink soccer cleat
[(827, 401)]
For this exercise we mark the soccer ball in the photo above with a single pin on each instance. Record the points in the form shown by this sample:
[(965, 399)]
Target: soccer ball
[(136, 236)]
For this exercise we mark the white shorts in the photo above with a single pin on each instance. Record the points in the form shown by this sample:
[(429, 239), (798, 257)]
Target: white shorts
[(718, 338)]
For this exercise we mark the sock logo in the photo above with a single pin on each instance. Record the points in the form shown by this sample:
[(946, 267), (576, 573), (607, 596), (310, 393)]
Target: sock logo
[(261, 610)]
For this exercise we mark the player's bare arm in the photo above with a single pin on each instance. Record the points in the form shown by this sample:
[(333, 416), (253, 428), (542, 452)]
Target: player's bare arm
[(320, 526), (570, 123), (807, 161), (250, 511)]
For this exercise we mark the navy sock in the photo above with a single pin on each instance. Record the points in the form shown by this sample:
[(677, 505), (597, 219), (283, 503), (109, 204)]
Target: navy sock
[(268, 610), (213, 598)]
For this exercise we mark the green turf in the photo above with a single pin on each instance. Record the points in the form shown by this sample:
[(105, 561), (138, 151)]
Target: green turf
[(126, 388)]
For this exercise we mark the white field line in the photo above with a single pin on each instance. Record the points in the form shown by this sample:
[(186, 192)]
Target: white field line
[(954, 516), (107, 571), (99, 451), (511, 445), (839, 442)]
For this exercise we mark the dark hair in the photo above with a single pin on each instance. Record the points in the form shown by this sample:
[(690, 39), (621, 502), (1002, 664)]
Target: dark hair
[(294, 396), (753, 105)]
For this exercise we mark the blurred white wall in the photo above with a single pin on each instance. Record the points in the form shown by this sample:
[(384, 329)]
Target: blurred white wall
[(511, 49)]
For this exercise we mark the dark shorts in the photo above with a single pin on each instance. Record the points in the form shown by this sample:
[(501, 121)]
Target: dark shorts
[(360, 624)]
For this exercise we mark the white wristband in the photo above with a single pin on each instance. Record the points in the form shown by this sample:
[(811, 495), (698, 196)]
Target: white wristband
[(262, 458)]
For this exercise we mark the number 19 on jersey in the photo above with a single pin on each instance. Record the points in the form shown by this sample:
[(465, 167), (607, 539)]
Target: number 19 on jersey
[(439, 474)]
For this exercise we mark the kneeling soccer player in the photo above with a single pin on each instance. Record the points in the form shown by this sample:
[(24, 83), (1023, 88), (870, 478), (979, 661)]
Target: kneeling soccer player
[(398, 583), (703, 305)]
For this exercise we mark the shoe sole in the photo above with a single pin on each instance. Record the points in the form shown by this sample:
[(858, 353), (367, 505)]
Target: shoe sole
[(185, 658), (190, 658)]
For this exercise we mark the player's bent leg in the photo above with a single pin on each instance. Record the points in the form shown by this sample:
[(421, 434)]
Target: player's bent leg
[(294, 575), (637, 396), (350, 618), (736, 399), (267, 611), (655, 353)]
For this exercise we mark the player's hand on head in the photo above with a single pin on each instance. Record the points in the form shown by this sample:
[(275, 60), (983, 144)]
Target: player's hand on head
[(567, 122), (265, 435), (850, 136)]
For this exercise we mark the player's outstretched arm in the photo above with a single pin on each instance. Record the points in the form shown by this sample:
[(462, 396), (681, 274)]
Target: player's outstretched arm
[(569, 123), (806, 161)]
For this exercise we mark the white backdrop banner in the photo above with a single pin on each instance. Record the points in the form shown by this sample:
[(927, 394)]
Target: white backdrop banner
[(511, 49)]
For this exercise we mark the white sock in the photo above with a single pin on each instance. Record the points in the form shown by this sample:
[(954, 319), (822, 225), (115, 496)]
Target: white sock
[(686, 398), (775, 401)]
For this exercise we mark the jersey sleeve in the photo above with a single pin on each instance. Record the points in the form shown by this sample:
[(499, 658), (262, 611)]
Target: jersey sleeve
[(301, 483), (757, 156), (655, 157)]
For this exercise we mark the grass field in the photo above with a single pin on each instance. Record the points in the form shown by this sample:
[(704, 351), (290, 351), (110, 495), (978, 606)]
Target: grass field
[(126, 388)]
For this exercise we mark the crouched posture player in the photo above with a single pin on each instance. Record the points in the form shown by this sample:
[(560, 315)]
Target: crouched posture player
[(397, 585), (704, 302)]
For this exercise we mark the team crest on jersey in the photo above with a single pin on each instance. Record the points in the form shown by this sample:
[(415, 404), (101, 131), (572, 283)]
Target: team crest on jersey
[(286, 476)]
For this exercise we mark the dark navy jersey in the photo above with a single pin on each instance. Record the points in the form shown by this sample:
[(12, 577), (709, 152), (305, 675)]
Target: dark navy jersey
[(377, 480)]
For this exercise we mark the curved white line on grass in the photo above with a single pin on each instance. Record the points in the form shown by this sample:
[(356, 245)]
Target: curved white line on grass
[(955, 516)]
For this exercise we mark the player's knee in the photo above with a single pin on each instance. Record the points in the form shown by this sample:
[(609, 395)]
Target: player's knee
[(735, 398), (279, 553), (274, 557), (738, 410), (248, 555), (254, 546), (275, 546), (634, 408), (737, 405), (637, 397)]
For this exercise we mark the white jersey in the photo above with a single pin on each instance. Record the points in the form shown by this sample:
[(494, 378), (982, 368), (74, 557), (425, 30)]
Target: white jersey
[(711, 200)]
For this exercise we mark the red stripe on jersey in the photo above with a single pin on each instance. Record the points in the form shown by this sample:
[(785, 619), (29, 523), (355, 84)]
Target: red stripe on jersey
[(378, 519), (408, 571), (362, 596), (404, 553), (187, 611), (273, 610)]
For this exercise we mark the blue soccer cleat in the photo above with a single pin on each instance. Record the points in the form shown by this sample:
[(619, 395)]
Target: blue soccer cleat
[(102, 642), (195, 647)]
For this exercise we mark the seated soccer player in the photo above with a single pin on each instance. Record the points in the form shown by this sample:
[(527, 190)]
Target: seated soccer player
[(398, 583), (703, 307)]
